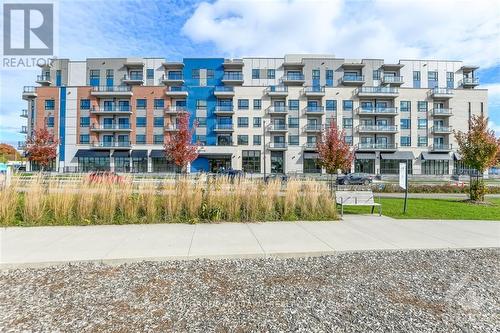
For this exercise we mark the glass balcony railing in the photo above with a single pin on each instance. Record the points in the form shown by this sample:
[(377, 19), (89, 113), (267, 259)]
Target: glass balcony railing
[(441, 129), (111, 108), (278, 127), (28, 89), (111, 88), (377, 90), (277, 145), (314, 89), (24, 130), (177, 89), (175, 76), (441, 146), (224, 108), (376, 146), (441, 91), (314, 109), (377, 128), (24, 113), (233, 76), (353, 78), (277, 89), (293, 77), (277, 109), (133, 77), (176, 109), (43, 77), (172, 127), (111, 144), (224, 89), (223, 126), (111, 126), (310, 145), (470, 81), (441, 112), (393, 79), (313, 127), (373, 110)]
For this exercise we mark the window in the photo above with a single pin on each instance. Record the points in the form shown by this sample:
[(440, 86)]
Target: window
[(331, 105), (110, 73), (432, 79), (416, 79), (84, 121), (210, 73), (158, 122), (257, 122), (201, 121), (347, 105), (140, 122), (347, 122), (85, 104), (243, 104), (94, 77), (315, 74), (271, 74), (49, 104), (84, 138), (422, 106), (257, 104), (405, 123), (422, 123), (141, 103), (449, 80), (159, 103), (243, 140), (293, 104), (150, 73), (251, 160), (201, 104), (391, 167), (255, 73), (293, 122), (376, 74), (257, 140), (242, 121), (329, 77), (348, 139), (140, 139), (158, 139), (195, 73), (435, 167), (201, 139), (422, 141), (405, 106), (405, 141), (293, 140)]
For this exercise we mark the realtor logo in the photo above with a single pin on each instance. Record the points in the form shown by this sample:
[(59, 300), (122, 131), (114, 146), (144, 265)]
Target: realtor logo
[(28, 29)]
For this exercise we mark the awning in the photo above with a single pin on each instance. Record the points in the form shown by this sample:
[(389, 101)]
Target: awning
[(139, 153), (457, 156), (311, 156), (157, 153), (121, 153), (434, 157), (91, 153), (365, 156), (215, 155), (399, 155)]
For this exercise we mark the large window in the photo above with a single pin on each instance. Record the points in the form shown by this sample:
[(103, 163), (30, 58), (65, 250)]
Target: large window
[(84, 121), (435, 167), (347, 105), (243, 104), (140, 139), (243, 122), (251, 161), (271, 74), (139, 164), (257, 122), (422, 123), (293, 122), (422, 141), (257, 140), (122, 164), (161, 164), (405, 123), (405, 141), (49, 104), (255, 73), (293, 104), (329, 77), (140, 122), (257, 104), (293, 140), (416, 79), (347, 122), (331, 105), (150, 73), (201, 104), (422, 106), (391, 167), (85, 104), (277, 162), (364, 165), (86, 164), (159, 103), (141, 103), (158, 121), (243, 140), (405, 106), (311, 163), (84, 139), (158, 139)]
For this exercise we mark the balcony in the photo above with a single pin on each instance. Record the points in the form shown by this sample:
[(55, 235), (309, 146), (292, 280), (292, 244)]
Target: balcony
[(133, 79), (232, 78), (233, 63), (441, 148), (439, 112), (377, 129), (110, 127), (468, 82), (390, 111), (134, 63), (315, 91), (113, 109), (369, 146), (377, 92), (223, 128), (176, 91), (108, 91), (392, 80), (441, 130), (310, 146), (43, 79), (441, 93), (21, 145), (277, 128), (223, 91), (313, 128), (24, 130), (314, 110), (277, 146), (224, 110), (172, 128), (29, 92), (175, 109), (352, 80), (277, 91), (277, 110), (111, 145), (293, 79), (173, 65), (24, 113), (173, 78)]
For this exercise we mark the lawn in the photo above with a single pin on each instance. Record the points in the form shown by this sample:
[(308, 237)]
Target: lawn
[(445, 209)]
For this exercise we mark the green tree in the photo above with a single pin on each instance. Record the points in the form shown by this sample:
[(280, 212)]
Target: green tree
[(479, 149)]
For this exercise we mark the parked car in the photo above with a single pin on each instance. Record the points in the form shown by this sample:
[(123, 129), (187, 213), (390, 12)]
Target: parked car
[(355, 179), (106, 177), (276, 176)]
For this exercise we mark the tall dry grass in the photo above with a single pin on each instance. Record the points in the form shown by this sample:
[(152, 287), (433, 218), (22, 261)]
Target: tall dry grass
[(52, 201)]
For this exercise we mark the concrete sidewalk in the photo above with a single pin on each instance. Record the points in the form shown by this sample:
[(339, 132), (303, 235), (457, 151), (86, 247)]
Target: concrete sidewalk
[(38, 246)]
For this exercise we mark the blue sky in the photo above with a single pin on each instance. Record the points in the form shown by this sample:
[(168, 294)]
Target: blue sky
[(351, 29)]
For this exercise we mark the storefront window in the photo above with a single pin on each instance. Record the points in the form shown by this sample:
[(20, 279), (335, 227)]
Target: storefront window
[(251, 161), (364, 166), (435, 167)]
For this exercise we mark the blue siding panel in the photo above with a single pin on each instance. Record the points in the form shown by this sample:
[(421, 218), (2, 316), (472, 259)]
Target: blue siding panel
[(62, 122)]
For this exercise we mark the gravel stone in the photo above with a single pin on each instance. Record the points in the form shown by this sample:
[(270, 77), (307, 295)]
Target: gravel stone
[(372, 291)]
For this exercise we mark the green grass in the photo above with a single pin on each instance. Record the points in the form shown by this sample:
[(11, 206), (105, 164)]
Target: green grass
[(439, 209)]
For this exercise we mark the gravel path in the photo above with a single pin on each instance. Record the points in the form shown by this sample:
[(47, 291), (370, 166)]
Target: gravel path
[(403, 291)]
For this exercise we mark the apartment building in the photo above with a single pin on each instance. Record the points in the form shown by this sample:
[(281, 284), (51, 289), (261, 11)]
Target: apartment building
[(255, 114)]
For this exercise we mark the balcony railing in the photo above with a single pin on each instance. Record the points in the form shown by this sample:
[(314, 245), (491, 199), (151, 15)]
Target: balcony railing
[(377, 90), (393, 79), (313, 127), (175, 76), (376, 146), (314, 109), (377, 128), (353, 78), (441, 147), (310, 145), (277, 109), (133, 77), (293, 77), (224, 89), (223, 127), (29, 90), (232, 76), (176, 109), (441, 112), (177, 89), (172, 127), (441, 129), (277, 145), (43, 77), (224, 108), (443, 92), (469, 81), (111, 144), (277, 89), (278, 127), (24, 130), (377, 110), (111, 126), (21, 145), (24, 113), (111, 108), (111, 88)]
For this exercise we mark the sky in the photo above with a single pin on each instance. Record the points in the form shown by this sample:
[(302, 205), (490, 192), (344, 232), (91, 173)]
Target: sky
[(388, 29)]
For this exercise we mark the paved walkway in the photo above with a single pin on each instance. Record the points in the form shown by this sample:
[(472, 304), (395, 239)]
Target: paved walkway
[(38, 246)]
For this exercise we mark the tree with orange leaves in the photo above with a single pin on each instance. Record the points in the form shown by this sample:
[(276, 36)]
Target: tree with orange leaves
[(41, 147), (179, 147), (334, 152)]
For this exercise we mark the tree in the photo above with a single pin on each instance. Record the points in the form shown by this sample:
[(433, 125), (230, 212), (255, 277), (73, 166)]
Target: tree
[(478, 148), (179, 146), (8, 153), (334, 152), (41, 147)]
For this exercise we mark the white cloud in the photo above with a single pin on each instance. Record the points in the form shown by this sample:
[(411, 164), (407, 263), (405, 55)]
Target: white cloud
[(494, 106), (458, 30)]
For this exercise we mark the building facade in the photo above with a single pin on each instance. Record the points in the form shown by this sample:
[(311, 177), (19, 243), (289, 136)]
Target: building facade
[(253, 114)]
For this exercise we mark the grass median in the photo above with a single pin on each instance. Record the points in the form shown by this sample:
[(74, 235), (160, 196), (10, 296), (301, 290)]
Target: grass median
[(437, 209)]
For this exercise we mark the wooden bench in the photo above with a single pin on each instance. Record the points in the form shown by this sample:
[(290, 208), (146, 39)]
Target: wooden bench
[(356, 198)]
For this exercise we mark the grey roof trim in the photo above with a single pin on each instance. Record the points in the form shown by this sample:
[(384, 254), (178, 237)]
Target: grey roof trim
[(430, 156), (366, 156), (399, 155)]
